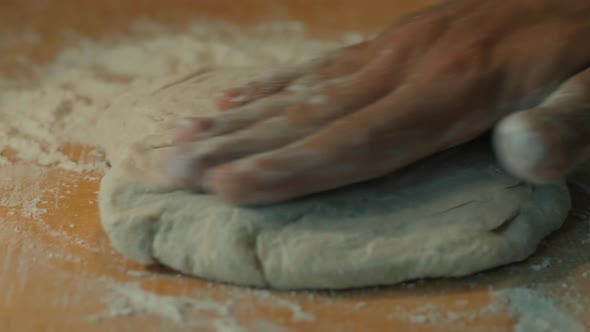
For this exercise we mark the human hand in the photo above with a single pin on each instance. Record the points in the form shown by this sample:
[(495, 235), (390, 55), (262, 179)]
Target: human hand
[(432, 81)]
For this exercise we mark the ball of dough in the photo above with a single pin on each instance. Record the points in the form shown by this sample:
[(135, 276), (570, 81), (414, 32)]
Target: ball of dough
[(453, 214)]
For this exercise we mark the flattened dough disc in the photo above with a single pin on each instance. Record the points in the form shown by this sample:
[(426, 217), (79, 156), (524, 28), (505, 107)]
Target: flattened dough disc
[(454, 214)]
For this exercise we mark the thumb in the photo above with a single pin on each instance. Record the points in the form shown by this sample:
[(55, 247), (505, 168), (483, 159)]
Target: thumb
[(546, 143)]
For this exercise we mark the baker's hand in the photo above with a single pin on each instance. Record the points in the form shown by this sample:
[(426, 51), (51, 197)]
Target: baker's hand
[(434, 80)]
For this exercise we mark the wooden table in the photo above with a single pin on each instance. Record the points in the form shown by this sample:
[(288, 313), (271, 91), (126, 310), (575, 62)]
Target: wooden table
[(59, 273)]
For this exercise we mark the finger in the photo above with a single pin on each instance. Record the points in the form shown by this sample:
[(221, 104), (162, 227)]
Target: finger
[(187, 130), (192, 160), (312, 107), (199, 128), (366, 144), (336, 63), (546, 143), (262, 86), (210, 148), (280, 175)]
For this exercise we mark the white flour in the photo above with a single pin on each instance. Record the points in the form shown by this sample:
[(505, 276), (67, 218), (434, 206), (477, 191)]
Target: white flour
[(23, 182), (131, 299), (536, 313), (37, 121), (533, 311)]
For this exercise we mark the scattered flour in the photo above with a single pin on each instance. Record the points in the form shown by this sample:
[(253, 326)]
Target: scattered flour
[(24, 183), (537, 313), (75, 92), (44, 121), (299, 314), (360, 305), (545, 263), (433, 314), (139, 274), (38, 122), (462, 303), (534, 311), (130, 299)]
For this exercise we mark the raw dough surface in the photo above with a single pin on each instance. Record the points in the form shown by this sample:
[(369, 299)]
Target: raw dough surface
[(454, 214)]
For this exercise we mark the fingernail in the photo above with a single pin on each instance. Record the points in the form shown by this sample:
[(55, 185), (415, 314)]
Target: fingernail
[(193, 126), (231, 93)]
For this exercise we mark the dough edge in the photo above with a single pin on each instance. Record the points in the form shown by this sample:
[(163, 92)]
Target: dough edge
[(139, 233)]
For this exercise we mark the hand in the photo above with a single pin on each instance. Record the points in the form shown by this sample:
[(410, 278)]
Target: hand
[(432, 81)]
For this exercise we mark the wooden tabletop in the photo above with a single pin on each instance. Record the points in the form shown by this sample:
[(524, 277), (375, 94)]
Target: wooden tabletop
[(58, 271)]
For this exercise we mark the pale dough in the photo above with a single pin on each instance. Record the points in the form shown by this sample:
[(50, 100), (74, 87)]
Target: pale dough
[(451, 215)]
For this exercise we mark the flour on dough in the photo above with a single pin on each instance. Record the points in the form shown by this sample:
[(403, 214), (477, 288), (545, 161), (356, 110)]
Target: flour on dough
[(453, 214)]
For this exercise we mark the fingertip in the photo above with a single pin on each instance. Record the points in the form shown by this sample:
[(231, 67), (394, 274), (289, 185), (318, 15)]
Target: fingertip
[(179, 170), (232, 92), (526, 150), (231, 98), (188, 130), (239, 187), (226, 104), (228, 184)]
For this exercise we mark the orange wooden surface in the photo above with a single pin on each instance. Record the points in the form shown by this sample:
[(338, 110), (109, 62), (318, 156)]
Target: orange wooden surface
[(57, 270)]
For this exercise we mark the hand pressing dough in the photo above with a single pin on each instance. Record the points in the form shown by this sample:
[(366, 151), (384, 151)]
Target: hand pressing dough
[(451, 215)]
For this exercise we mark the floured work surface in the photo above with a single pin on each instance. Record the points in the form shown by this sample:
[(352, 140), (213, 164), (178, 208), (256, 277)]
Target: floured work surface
[(59, 271)]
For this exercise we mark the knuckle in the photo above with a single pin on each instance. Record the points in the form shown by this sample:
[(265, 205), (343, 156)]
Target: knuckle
[(461, 60), (422, 30), (451, 67)]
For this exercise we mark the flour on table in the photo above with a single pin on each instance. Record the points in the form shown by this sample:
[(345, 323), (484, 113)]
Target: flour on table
[(533, 311), (73, 94), (537, 313), (130, 299), (23, 182)]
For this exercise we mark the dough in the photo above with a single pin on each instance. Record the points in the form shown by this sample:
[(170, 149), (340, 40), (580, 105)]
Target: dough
[(453, 214)]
